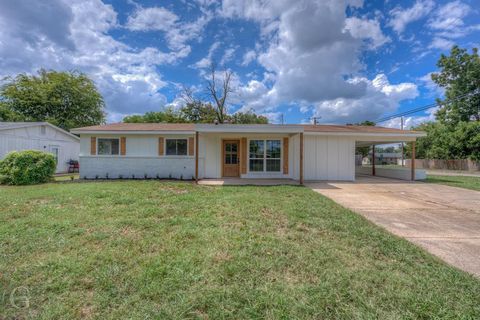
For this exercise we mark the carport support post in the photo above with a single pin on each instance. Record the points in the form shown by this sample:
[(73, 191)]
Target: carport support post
[(373, 160), (196, 157), (301, 157), (413, 161)]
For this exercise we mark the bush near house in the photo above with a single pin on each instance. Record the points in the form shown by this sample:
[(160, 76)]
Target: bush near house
[(27, 167)]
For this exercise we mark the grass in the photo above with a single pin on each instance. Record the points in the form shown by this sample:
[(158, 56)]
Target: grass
[(472, 183), (166, 250), (65, 177)]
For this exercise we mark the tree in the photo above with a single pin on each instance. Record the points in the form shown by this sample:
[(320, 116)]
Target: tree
[(247, 118), (169, 115), (66, 99), (364, 150), (459, 75), (219, 90)]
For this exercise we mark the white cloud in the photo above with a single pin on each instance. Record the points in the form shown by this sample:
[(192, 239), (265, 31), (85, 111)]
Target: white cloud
[(431, 86), (441, 43), (77, 37), (401, 17), (312, 59), (449, 16), (148, 19), (381, 97), (448, 20), (249, 57), (411, 121), (160, 19), (207, 61), (367, 29), (227, 56)]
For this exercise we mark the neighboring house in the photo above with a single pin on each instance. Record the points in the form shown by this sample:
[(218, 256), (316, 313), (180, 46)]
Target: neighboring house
[(43, 136), (384, 158), (188, 151)]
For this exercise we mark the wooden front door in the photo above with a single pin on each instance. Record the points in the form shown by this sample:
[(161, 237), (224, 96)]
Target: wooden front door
[(230, 158)]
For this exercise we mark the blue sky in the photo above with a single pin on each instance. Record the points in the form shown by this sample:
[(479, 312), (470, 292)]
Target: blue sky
[(341, 61)]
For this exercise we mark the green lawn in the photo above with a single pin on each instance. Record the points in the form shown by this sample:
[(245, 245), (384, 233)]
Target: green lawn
[(456, 181), (165, 250)]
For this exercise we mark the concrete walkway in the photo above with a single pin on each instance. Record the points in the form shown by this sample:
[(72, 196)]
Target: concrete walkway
[(444, 220), (247, 182)]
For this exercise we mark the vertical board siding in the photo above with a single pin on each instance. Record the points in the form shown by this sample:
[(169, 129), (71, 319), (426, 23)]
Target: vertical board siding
[(191, 146), (161, 142), (123, 146), (243, 156), (93, 146), (285, 155), (301, 157), (329, 158)]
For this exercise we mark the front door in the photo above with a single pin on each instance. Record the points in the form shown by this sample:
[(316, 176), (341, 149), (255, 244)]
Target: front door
[(230, 161)]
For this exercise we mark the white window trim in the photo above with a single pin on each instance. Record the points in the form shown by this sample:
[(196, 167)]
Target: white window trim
[(107, 155), (175, 155), (264, 171)]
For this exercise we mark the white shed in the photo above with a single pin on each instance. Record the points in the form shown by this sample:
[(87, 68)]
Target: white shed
[(42, 136)]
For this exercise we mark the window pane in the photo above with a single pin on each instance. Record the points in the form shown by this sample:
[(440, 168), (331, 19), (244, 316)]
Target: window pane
[(273, 149), (108, 146), (228, 159), (273, 165), (182, 147), (256, 148), (171, 147), (234, 147), (115, 146), (234, 159), (256, 165)]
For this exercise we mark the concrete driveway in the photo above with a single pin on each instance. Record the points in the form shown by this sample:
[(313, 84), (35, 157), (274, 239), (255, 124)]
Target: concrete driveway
[(444, 220)]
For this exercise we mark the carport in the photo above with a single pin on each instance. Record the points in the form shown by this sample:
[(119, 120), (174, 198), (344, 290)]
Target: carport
[(396, 172)]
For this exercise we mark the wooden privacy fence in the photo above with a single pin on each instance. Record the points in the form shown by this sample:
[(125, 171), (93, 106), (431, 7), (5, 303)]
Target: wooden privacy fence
[(457, 164)]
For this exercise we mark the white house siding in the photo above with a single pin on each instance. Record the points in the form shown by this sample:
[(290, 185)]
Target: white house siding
[(31, 138), (329, 157), (141, 159), (137, 167), (210, 155)]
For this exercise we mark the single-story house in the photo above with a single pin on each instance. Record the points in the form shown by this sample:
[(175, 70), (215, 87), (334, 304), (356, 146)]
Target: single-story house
[(217, 151), (42, 136)]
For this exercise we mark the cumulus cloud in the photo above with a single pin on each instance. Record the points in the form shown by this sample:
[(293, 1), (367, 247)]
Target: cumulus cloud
[(401, 17), (381, 97), (312, 60), (177, 33), (61, 37), (367, 29)]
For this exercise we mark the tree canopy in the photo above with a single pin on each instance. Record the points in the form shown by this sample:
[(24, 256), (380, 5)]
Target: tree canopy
[(200, 113), (460, 76), (65, 99), (456, 133)]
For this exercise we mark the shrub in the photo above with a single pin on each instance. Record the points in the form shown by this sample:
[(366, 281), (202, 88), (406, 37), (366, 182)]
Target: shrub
[(27, 167)]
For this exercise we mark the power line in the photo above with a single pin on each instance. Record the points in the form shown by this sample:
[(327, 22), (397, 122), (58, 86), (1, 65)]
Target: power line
[(426, 107)]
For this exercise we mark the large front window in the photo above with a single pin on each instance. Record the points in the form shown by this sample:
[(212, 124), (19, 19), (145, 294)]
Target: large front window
[(176, 147), (108, 146), (264, 155)]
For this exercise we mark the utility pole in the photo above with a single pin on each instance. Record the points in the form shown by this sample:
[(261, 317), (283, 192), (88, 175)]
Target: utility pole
[(281, 118), (403, 147)]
